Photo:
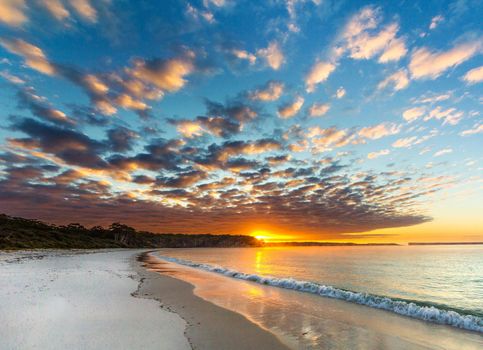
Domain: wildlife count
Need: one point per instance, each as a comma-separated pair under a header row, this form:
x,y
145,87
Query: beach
x,y
132,299
106,300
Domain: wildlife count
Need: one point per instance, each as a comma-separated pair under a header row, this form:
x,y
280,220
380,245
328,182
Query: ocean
x,y
305,293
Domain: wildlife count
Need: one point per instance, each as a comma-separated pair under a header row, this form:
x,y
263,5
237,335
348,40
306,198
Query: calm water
x,y
447,277
431,296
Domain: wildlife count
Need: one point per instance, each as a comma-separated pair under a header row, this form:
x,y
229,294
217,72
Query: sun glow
x,y
263,235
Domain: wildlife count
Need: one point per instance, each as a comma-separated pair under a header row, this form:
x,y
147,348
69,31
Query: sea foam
x,y
406,308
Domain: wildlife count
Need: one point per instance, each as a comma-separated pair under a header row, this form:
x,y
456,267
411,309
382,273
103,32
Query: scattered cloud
x,y
84,9
34,57
318,109
12,78
12,12
412,114
405,142
244,55
449,116
443,152
340,92
435,21
271,91
56,8
318,74
289,110
273,55
474,75
477,129
397,81
378,154
426,64
362,42
380,130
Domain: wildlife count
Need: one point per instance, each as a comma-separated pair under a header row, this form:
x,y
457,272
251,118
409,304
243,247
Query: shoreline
x,y
208,326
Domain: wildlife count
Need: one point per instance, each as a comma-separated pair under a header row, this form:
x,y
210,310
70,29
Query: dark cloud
x,y
182,179
162,154
39,107
121,139
222,120
69,145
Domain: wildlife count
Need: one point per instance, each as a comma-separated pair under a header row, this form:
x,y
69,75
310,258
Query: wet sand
x,y
208,326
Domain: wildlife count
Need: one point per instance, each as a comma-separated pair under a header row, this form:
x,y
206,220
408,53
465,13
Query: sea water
x,y
439,285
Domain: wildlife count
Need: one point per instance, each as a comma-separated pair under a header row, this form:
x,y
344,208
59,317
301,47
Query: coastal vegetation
x,y
20,233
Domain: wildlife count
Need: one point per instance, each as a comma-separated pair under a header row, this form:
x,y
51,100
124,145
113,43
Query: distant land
x,y
324,244
443,243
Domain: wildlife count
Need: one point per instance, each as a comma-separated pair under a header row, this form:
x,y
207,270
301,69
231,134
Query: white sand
x,y
81,301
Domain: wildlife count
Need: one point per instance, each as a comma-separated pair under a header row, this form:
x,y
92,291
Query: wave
x,y
406,308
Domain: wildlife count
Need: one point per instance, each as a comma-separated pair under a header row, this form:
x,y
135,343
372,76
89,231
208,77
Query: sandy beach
x,y
94,300
130,299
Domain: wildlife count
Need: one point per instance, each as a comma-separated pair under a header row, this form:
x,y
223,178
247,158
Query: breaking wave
x,y
412,309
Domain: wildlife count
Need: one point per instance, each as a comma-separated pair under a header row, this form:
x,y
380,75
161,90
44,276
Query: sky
x,y
285,119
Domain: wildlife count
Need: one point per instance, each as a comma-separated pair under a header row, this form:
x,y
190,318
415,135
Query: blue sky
x,y
307,119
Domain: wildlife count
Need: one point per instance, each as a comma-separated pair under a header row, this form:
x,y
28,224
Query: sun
x,y
262,235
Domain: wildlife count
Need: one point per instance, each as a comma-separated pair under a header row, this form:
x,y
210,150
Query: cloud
x,y
318,74
221,156
84,9
222,120
435,21
394,51
380,130
397,81
69,145
433,98
450,116
244,55
272,55
34,57
477,129
182,180
131,87
168,75
39,107
324,139
318,109
271,91
443,151
197,14
56,8
121,139
412,114
426,64
12,12
378,154
159,154
360,40
405,142
189,128
340,92
474,76
289,110
12,78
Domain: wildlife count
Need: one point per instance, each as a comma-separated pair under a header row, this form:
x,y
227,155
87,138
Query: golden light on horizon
x,y
262,235
269,236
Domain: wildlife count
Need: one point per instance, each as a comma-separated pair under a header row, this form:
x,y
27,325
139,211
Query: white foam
x,y
411,309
